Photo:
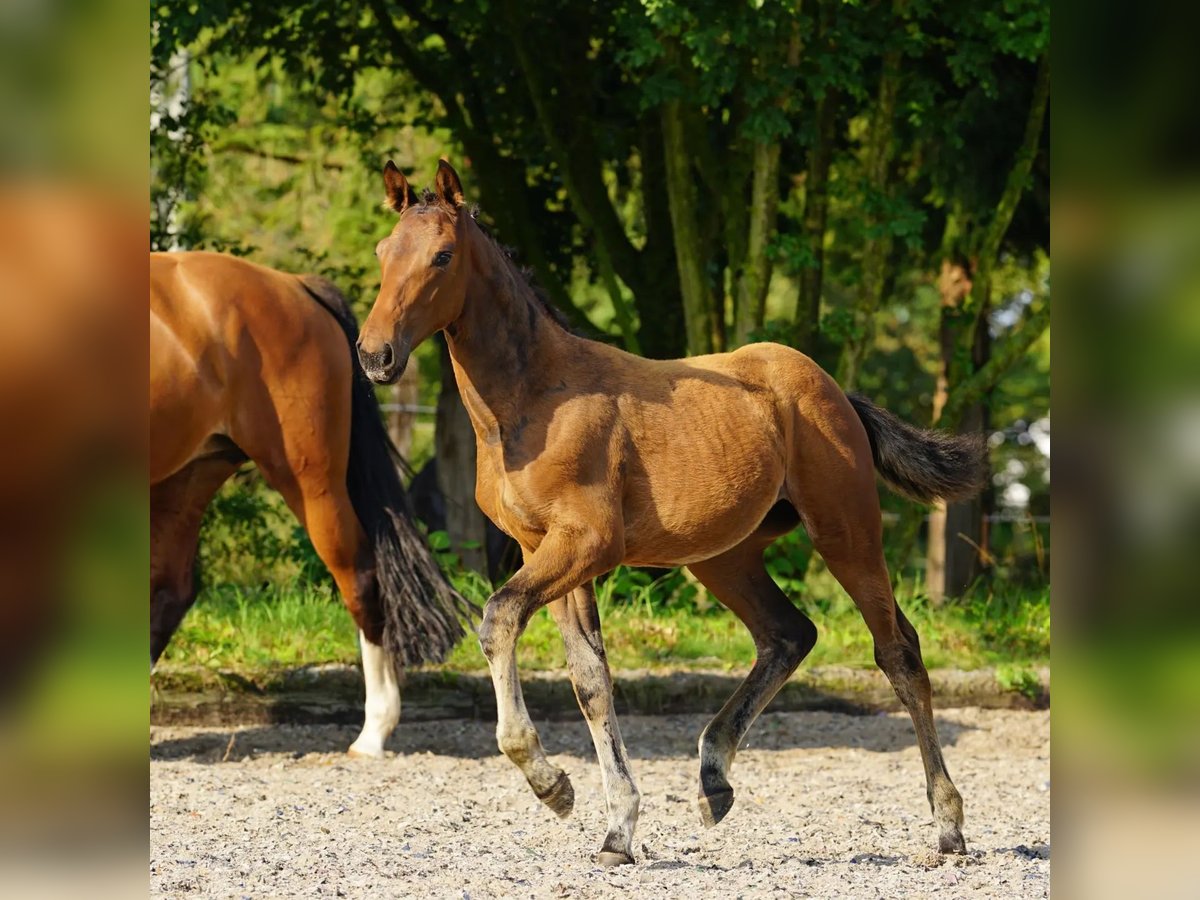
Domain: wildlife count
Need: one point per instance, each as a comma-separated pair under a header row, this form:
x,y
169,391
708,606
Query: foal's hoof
x,y
614,858
358,752
715,806
951,841
560,797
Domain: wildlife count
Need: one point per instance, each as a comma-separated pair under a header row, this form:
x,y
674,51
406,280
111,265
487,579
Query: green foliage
x,y
248,537
247,629
787,562
271,121
638,589
1020,680
648,623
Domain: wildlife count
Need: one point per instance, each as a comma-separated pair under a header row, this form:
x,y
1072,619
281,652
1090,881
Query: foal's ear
x,y
449,188
400,196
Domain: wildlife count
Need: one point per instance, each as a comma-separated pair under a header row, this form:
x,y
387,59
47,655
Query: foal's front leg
x,y
564,560
579,622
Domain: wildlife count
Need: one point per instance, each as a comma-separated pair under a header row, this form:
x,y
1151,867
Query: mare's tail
x,y
420,610
921,464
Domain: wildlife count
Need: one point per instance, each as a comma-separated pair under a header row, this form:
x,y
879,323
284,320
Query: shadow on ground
x,y
332,695
647,737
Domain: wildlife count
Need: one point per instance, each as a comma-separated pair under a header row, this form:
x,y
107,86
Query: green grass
x,y
255,629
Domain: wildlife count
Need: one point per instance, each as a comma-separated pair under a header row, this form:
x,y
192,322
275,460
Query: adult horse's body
x,y
250,363
590,457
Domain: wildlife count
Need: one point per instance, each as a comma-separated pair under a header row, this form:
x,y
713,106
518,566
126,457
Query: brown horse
x,y
590,457
247,363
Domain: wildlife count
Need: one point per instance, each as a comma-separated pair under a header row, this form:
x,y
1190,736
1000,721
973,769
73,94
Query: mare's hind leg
x,y
319,499
176,509
844,522
783,636
579,622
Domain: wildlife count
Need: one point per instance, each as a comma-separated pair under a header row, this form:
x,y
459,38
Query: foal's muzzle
x,y
383,366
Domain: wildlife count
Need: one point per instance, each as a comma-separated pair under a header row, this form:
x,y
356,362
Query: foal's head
x,y
424,264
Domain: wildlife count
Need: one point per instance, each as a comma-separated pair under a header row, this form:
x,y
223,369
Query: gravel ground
x,y
828,805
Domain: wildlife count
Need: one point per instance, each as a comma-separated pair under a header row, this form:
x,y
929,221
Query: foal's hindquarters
x,y
824,479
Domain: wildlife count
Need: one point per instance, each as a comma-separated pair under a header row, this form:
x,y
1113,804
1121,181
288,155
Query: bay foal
x,y
591,457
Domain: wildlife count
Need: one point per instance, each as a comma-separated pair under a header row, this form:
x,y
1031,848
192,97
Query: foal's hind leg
x,y
898,654
846,529
579,622
783,636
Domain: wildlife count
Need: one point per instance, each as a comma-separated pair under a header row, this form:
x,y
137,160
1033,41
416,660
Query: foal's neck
x,y
505,347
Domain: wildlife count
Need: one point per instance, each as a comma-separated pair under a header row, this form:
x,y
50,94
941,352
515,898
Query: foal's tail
x,y
921,464
420,610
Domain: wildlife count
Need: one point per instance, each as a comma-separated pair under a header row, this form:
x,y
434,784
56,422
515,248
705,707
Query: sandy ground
x,y
828,805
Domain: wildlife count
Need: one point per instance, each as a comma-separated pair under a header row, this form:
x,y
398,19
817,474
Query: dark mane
x,y
429,200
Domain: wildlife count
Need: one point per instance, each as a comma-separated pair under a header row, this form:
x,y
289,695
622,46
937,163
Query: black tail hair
x,y
922,464
421,612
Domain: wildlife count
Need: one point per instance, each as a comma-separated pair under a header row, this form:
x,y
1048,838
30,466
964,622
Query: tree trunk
x,y
965,537
756,268
750,301
958,535
877,248
694,283
816,214
568,132
660,310
954,284
454,442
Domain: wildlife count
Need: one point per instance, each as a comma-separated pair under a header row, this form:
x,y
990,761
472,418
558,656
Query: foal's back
x,y
704,447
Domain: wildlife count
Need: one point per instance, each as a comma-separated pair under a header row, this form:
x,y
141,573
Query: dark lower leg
x,y
900,660
579,623
783,636
176,510
167,609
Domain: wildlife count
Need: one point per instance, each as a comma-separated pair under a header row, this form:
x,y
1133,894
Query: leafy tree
x,y
866,180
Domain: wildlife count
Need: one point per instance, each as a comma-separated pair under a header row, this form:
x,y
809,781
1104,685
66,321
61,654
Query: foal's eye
x,y
442,259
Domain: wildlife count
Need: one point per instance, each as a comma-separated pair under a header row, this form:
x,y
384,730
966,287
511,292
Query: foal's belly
x,y
705,533
698,501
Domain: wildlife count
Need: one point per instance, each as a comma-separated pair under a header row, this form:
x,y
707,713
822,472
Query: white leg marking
x,y
383,700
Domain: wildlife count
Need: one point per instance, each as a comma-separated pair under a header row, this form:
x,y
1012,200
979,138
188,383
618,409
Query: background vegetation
x,y
866,181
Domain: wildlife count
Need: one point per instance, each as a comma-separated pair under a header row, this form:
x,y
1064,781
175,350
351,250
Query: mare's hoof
x,y
560,797
365,753
951,842
614,858
715,806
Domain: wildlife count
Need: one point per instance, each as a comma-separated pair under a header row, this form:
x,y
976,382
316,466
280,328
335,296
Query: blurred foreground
x,y
1127,472
73,510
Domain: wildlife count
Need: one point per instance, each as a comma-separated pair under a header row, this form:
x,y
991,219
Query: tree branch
x,y
572,144
1018,176
290,158
969,391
